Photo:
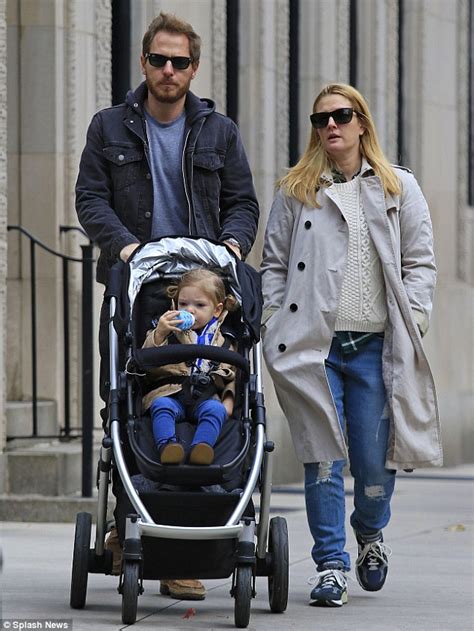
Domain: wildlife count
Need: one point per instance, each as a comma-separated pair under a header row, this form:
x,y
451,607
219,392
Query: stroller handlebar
x,y
147,358
115,280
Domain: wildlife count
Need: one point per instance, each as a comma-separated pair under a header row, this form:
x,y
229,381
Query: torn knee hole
x,y
375,492
324,472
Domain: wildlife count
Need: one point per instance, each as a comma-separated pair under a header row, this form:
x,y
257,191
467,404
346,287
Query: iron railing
x,y
67,432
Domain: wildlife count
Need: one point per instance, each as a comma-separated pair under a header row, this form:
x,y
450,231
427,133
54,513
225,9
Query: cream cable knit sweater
x,y
362,306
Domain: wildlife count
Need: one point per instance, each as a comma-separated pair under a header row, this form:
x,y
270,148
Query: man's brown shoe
x,y
183,589
112,543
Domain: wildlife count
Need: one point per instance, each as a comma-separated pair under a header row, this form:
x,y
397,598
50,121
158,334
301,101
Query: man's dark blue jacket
x,y
114,190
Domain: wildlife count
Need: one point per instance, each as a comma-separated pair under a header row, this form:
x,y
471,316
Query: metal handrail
x,y
86,261
36,241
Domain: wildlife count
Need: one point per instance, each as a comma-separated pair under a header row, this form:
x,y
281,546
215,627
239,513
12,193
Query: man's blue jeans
x,y
358,391
167,411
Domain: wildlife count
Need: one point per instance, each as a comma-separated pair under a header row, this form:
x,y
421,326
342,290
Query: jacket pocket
x,y
207,185
208,160
269,317
124,164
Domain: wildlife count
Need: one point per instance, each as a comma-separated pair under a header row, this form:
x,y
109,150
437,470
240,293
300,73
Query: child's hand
x,y
166,324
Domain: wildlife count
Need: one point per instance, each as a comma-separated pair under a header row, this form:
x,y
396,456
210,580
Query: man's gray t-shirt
x,y
170,206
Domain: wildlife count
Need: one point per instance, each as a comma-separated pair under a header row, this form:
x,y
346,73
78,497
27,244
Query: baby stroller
x,y
184,521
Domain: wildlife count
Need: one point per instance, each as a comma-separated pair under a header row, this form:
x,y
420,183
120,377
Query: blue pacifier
x,y
187,320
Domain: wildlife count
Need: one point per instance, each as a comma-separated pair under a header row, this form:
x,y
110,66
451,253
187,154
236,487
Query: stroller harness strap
x,y
195,367
199,385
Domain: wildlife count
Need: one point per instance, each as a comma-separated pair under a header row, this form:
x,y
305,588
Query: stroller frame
x,y
234,527
251,559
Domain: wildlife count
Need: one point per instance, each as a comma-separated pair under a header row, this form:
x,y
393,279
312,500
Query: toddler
x,y
203,392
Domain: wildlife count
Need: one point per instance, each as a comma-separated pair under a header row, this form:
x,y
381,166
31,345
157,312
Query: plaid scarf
x,y
353,341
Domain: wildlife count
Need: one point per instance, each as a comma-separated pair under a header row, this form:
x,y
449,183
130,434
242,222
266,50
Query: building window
x,y
401,153
471,106
120,50
353,43
232,60
294,83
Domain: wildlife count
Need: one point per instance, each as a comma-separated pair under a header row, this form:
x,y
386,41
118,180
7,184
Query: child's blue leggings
x,y
166,411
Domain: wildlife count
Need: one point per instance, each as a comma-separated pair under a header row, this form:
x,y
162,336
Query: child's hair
x,y
209,282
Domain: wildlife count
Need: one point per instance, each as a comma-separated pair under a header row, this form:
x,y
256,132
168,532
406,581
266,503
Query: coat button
x,y
121,157
148,214
301,265
307,224
148,176
281,348
293,307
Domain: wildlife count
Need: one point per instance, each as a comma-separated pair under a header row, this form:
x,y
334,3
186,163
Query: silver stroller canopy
x,y
175,256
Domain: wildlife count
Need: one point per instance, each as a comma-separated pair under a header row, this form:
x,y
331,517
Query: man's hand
x,y
127,251
235,248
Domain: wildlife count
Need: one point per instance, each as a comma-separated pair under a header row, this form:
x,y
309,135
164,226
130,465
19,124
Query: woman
x,y
348,279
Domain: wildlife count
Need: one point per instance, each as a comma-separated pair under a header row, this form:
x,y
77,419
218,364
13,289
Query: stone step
x,y
36,508
20,418
50,469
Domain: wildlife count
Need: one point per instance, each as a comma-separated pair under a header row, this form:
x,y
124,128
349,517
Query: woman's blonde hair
x,y
209,282
304,179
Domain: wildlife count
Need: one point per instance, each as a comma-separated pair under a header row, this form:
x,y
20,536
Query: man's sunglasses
x,y
158,61
342,116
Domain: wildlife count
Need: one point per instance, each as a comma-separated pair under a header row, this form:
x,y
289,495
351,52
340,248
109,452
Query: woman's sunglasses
x,y
342,116
159,61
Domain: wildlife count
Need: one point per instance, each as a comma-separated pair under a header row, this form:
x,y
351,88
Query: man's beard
x,y
163,94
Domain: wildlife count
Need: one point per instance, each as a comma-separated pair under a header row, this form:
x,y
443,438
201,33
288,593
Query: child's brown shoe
x,y
172,453
202,453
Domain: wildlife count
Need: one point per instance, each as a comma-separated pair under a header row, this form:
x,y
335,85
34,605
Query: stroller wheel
x,y
80,560
243,596
278,576
130,591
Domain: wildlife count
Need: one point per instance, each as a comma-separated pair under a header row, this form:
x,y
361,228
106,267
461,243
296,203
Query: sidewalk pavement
x,y
429,586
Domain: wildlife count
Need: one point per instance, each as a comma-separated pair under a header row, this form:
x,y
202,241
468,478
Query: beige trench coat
x,y
304,259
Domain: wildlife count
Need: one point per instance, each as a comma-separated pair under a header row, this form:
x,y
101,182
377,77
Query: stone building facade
x,y
412,59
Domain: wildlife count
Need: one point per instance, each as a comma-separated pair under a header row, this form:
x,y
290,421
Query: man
x,y
163,163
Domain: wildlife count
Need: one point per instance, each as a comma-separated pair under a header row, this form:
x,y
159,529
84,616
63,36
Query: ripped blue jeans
x,y
358,391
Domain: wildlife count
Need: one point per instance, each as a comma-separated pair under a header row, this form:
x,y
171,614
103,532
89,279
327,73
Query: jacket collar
x,y
365,171
196,108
